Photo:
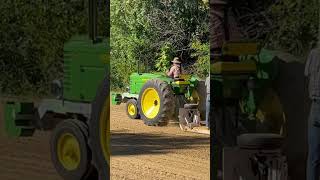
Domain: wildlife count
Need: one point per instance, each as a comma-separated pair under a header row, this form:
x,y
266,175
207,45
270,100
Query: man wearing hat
x,y
175,69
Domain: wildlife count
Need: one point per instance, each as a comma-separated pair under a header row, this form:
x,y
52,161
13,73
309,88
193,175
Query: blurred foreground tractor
x,y
247,119
79,113
157,99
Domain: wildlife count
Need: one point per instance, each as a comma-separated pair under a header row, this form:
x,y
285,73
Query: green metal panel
x,y
11,109
91,78
116,98
138,80
84,68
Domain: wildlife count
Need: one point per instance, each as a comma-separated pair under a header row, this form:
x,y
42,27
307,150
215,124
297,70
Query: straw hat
x,y
176,60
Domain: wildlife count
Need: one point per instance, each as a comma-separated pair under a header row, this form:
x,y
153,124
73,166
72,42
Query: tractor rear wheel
x,y
132,109
99,130
156,103
70,153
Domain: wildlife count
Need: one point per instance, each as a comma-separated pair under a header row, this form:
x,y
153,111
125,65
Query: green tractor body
x,y
84,68
137,80
181,86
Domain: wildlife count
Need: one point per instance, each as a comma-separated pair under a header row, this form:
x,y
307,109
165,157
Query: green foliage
x,y
296,25
31,42
165,57
152,32
202,53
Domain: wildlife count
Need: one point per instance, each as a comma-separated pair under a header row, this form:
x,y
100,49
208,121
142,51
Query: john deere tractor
x,y
79,113
157,98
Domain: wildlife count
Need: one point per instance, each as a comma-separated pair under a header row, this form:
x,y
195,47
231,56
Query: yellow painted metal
x,y
240,48
195,98
181,82
185,76
233,67
105,130
68,150
131,109
270,111
150,103
183,79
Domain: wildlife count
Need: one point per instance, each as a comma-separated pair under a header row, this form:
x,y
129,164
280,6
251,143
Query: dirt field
x,y
142,152
138,152
25,158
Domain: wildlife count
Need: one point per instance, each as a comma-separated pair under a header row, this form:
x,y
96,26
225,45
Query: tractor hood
x,y
137,80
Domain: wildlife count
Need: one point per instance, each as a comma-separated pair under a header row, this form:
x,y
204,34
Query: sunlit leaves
x,y
152,32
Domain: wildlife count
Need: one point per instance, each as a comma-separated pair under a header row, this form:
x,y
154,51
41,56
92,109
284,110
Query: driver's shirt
x,y
174,71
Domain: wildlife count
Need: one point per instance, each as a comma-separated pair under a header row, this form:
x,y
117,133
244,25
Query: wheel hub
x,y
69,151
131,109
150,103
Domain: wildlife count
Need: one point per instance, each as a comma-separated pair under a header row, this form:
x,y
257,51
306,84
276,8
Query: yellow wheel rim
x,y
131,109
150,103
105,130
69,153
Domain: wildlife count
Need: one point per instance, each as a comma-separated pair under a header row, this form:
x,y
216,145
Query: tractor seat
x,y
190,106
260,141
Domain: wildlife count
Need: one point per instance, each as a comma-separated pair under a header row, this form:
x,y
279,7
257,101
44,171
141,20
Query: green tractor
x,y
79,113
247,118
157,99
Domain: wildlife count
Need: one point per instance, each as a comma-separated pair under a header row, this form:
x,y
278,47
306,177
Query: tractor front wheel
x,y
156,103
132,109
70,153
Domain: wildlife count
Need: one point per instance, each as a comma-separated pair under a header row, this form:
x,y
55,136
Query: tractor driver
x,y
175,69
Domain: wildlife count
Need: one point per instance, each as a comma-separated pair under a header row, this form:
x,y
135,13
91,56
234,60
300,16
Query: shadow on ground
x,y
124,143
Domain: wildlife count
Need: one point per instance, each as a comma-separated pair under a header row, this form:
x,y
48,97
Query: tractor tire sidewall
x,y
97,106
167,104
91,173
135,103
67,126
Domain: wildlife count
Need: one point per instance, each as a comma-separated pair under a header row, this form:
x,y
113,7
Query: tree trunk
x,y
318,44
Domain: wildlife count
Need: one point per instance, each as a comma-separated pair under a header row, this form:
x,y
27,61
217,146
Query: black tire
x,y
136,114
167,103
99,159
76,128
260,141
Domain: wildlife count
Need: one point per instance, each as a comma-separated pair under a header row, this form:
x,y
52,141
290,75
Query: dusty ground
x,y
25,158
142,152
139,152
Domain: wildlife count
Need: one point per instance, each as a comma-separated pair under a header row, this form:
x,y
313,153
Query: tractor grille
x,y
67,74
